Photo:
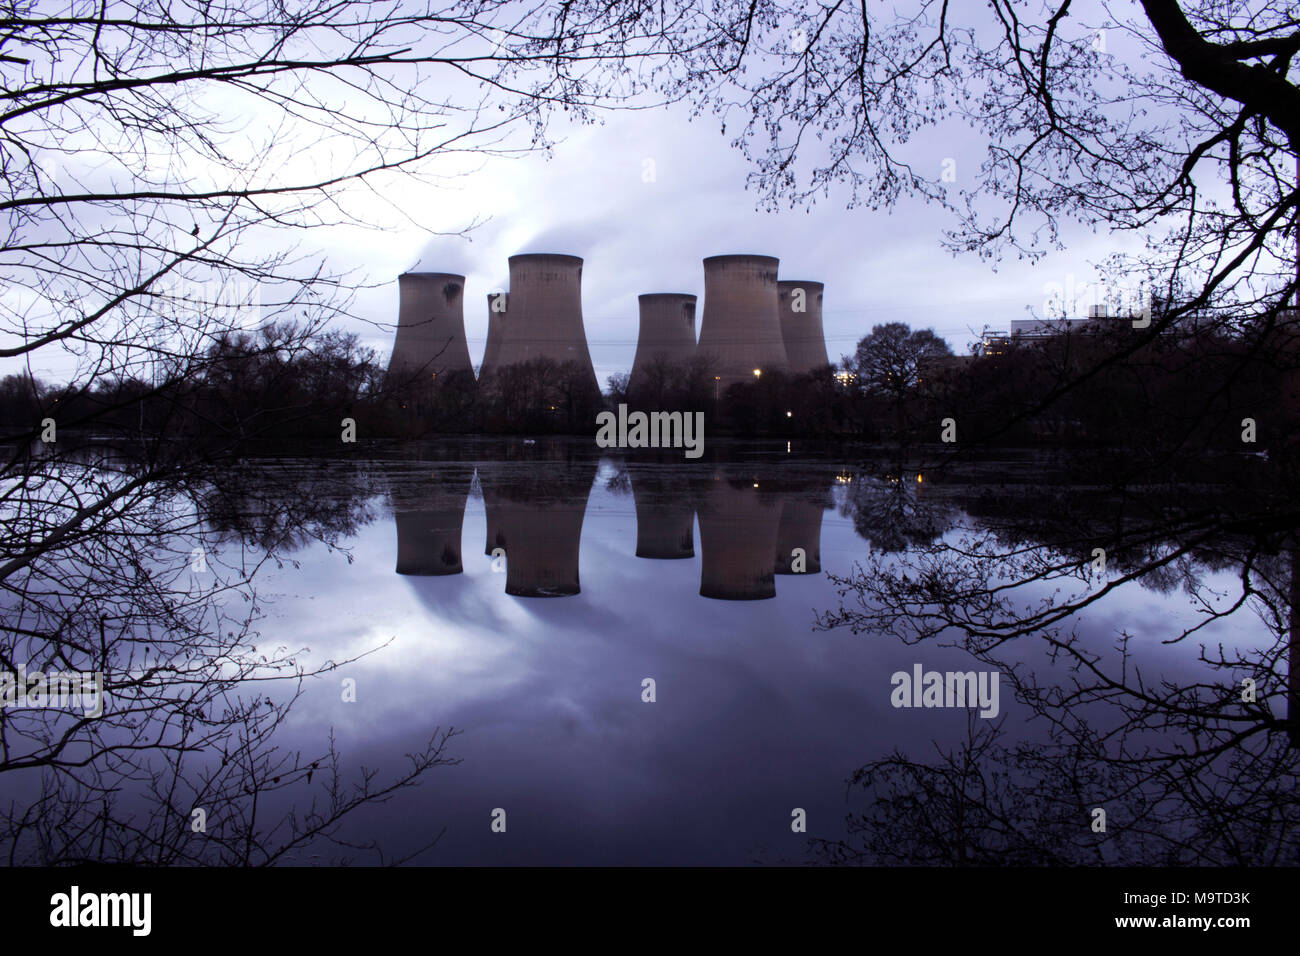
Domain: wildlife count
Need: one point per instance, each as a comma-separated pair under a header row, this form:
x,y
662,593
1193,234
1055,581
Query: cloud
x,y
644,197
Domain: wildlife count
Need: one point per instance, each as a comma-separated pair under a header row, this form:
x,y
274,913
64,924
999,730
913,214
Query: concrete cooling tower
x,y
665,514
430,342
738,532
805,342
429,510
741,328
544,317
667,335
534,512
498,303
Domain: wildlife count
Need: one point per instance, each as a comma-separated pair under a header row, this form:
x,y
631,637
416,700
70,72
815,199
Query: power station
x,y
801,324
430,348
543,318
665,340
498,303
741,329
751,324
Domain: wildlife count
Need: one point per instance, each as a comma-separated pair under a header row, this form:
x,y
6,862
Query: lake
x,y
528,593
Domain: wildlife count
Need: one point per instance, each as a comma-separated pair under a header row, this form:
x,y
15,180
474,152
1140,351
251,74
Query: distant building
x,y
740,332
1028,329
541,317
429,348
995,343
665,342
801,324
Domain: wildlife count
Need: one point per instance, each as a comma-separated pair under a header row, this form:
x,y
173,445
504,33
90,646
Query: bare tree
x,y
161,168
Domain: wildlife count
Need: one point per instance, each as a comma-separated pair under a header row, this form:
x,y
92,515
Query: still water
x,y
527,594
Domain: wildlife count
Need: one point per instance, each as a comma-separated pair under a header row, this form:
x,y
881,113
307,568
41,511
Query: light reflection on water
x,y
614,573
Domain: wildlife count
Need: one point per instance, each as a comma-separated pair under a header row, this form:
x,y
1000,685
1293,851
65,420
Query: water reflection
x,y
957,533
665,512
429,511
535,505
1177,724
755,522
550,691
739,519
799,536
893,513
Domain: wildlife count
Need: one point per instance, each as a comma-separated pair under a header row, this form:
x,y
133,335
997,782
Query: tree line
x,y
1203,386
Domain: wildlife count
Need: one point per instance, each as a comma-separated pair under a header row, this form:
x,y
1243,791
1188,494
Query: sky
x,y
646,196
643,196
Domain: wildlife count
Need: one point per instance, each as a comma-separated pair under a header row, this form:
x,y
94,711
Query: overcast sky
x,y
591,200
643,198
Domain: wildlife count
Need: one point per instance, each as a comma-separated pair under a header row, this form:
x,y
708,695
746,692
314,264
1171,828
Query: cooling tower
x,y
665,514
498,303
430,342
535,513
544,319
666,336
429,512
801,527
738,529
805,342
741,328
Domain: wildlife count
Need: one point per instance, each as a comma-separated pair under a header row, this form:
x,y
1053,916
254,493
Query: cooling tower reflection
x,y
665,514
798,540
738,529
757,519
535,506
429,510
